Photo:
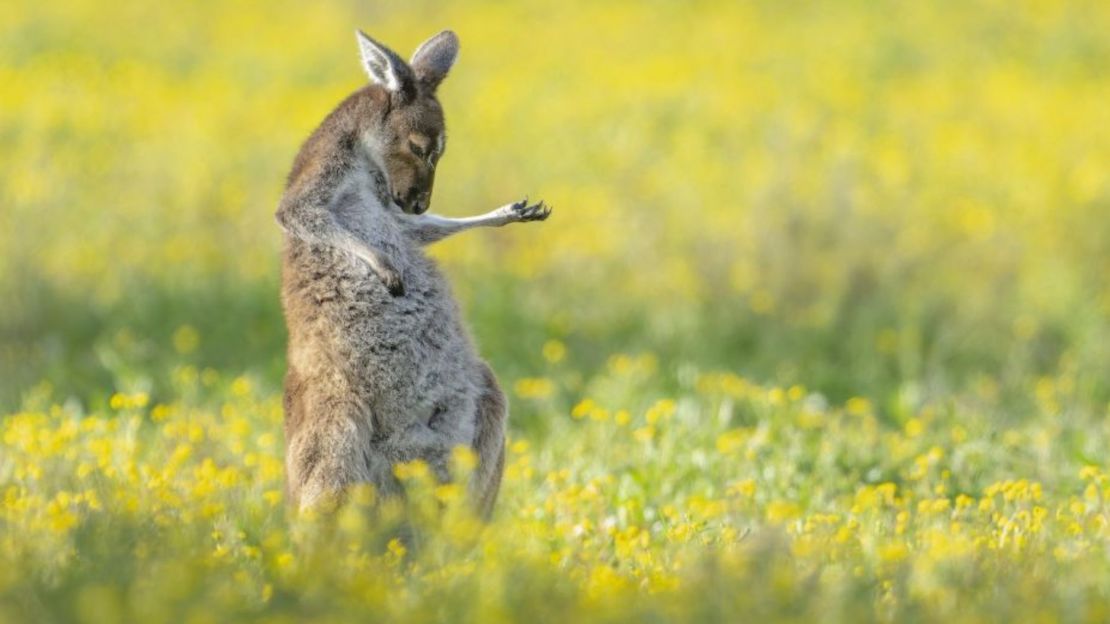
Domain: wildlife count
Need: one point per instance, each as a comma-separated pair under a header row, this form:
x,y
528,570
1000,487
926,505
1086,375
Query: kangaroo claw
x,y
535,212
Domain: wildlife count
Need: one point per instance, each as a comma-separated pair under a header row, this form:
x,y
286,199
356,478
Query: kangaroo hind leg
x,y
326,452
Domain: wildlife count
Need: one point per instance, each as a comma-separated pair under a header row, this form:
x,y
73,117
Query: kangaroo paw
x,y
522,211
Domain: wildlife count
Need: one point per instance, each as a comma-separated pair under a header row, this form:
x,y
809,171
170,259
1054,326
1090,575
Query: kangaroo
x,y
380,367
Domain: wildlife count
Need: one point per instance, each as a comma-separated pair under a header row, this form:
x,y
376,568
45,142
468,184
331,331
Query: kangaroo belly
x,y
407,358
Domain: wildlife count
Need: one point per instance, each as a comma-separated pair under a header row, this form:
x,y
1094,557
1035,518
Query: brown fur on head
x,y
411,137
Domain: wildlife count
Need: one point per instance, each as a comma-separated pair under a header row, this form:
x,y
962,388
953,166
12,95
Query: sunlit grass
x,y
727,500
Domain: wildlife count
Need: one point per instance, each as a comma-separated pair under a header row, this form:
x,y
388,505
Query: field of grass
x,y
819,330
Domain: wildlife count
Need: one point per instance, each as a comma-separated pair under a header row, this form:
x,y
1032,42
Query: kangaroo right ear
x,y
383,65
434,58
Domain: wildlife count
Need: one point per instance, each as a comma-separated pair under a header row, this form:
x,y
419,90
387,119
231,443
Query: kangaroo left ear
x,y
434,58
383,65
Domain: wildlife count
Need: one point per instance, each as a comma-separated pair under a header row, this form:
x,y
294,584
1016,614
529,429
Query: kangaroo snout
x,y
414,201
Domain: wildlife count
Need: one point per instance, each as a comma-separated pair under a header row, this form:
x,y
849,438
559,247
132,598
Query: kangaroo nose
x,y
422,201
405,200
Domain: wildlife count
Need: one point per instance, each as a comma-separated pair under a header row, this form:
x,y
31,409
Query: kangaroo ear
x,y
434,58
383,65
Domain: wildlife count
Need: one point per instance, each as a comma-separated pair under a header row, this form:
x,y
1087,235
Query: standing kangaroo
x,y
380,367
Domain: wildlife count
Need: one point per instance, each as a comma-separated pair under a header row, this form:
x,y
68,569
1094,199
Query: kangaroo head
x,y
411,136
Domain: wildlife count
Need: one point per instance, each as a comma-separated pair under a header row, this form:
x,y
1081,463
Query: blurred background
x,y
893,200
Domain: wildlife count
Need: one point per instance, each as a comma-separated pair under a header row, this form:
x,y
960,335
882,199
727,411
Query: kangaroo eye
x,y
416,149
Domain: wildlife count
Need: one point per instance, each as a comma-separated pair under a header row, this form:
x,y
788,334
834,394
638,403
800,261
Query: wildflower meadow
x,y
818,331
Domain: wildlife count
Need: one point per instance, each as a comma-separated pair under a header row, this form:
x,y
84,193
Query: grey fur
x,y
380,366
